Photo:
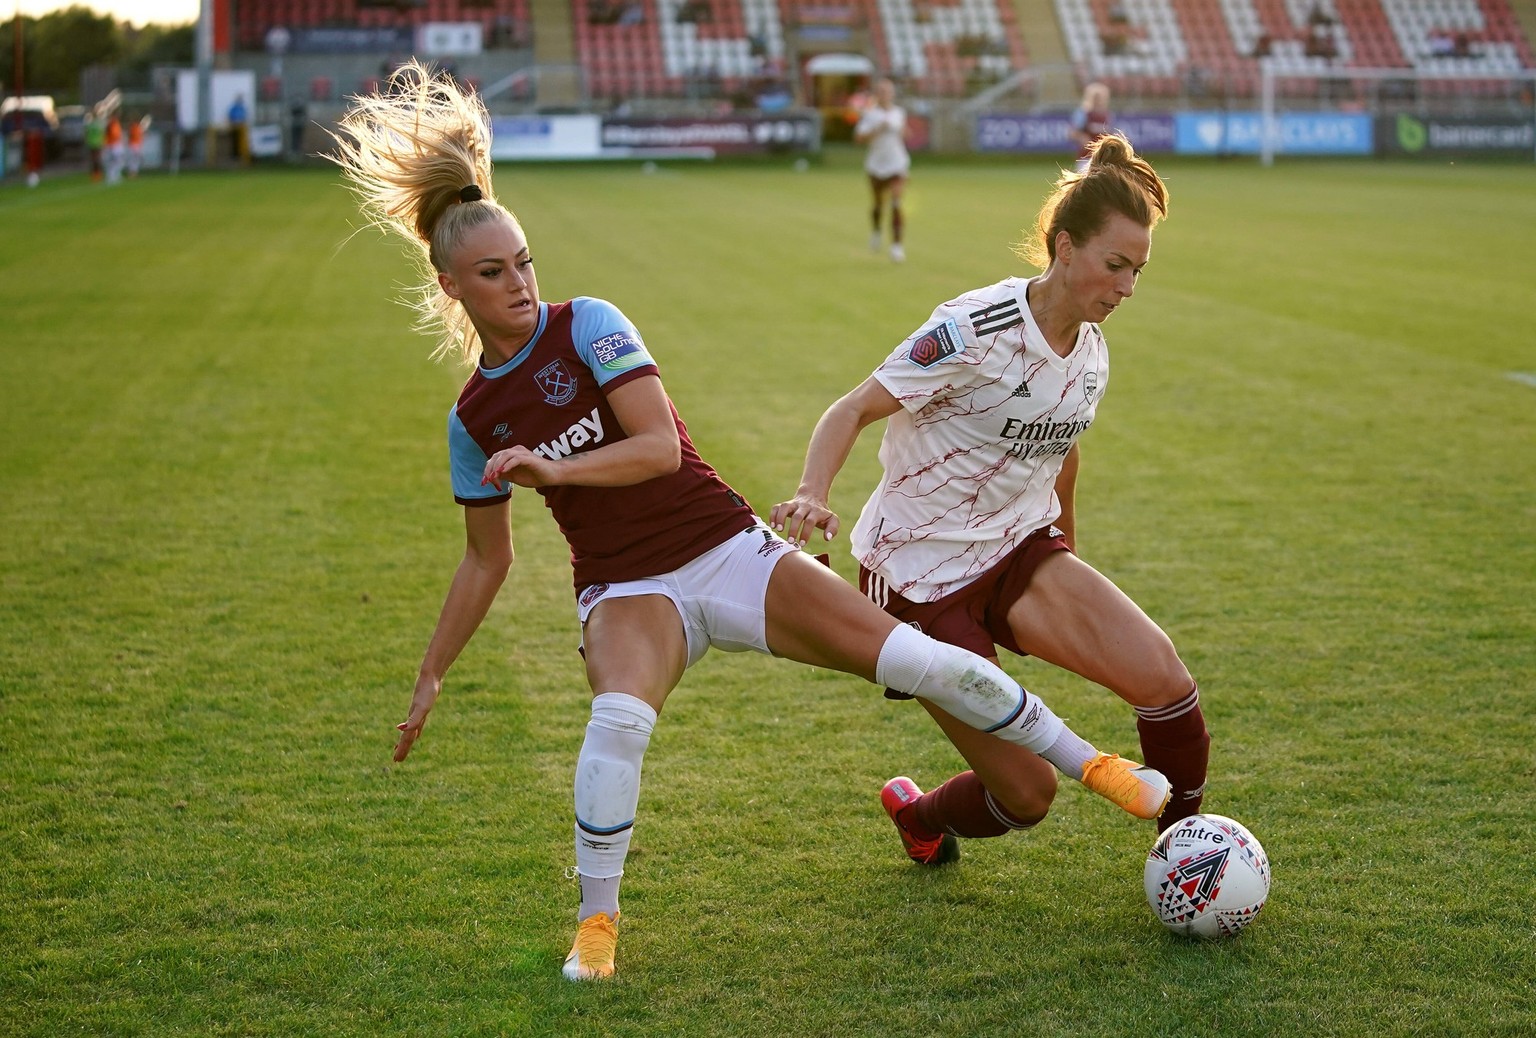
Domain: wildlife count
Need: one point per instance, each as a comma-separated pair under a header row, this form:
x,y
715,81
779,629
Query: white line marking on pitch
x,y
1521,376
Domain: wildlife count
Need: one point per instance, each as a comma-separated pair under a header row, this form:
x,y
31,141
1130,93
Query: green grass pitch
x,y
227,530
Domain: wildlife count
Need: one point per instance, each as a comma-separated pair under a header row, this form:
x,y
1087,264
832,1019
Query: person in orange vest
x,y
113,141
136,144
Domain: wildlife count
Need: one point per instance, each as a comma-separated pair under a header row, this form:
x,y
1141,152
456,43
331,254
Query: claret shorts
x,y
976,616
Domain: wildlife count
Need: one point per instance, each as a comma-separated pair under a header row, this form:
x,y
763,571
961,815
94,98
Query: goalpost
x,y
1270,73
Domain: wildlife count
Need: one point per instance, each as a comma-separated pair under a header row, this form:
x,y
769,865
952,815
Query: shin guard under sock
x,y
972,689
607,793
1174,740
963,807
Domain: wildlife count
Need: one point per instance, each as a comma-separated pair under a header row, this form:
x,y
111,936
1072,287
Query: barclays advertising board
x,y
1009,132
1294,133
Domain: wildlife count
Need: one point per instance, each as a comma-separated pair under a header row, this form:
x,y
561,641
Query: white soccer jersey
x,y
887,155
989,412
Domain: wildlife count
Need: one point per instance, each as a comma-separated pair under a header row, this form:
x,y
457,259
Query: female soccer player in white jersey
x,y
565,399
970,531
882,126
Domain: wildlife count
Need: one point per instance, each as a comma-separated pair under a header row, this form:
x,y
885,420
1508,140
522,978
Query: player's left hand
x,y
521,466
796,518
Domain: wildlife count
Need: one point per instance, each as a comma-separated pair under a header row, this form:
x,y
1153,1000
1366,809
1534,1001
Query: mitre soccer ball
x,y
1206,876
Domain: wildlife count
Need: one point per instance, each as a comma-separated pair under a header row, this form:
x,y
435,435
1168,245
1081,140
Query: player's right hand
x,y
796,518
427,689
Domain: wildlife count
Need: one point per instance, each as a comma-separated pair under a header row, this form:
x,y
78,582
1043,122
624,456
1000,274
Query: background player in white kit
x,y
882,126
970,531
668,560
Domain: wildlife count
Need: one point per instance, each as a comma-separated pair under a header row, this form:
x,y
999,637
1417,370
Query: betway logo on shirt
x,y
587,430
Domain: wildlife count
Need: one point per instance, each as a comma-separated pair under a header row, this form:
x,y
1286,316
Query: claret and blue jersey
x,y
552,399
610,353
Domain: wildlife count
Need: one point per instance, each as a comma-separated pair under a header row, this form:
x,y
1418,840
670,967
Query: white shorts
x,y
720,595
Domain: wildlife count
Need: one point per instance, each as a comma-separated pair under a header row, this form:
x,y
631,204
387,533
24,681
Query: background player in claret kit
x,y
882,127
668,560
970,532
1091,121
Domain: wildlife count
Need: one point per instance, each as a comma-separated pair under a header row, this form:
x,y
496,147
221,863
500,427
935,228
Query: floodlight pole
x,y
205,77
20,52
1267,122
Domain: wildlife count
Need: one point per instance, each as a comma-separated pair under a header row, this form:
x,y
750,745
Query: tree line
x,y
58,46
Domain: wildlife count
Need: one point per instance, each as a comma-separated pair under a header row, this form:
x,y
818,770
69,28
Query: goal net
x,y
1417,111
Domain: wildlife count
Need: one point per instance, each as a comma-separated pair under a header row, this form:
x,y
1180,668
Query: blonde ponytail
x,y
418,159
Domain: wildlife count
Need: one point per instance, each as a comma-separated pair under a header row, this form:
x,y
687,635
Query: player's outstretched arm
x,y
487,558
833,438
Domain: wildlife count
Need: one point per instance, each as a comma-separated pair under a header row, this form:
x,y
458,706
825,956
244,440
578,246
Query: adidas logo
x,y
1023,389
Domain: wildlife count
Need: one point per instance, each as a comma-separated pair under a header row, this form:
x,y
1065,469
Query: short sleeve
x,y
933,361
608,342
870,120
466,463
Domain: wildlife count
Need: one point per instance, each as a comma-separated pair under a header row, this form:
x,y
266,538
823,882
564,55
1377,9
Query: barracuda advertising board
x,y
1432,137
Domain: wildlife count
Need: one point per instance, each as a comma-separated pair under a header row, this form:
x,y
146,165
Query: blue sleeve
x,y
606,340
466,465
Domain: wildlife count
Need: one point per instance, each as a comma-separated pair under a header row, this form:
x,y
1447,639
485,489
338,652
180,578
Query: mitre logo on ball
x,y
1206,876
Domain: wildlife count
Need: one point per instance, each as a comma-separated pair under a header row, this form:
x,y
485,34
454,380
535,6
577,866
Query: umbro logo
x,y
1030,717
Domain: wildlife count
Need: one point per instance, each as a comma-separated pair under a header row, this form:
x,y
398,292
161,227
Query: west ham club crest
x,y
556,382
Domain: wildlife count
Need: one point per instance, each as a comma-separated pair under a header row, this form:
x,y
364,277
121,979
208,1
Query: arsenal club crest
x,y
556,382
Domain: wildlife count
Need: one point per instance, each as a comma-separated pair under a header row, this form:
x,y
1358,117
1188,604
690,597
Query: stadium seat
x,y
947,46
952,47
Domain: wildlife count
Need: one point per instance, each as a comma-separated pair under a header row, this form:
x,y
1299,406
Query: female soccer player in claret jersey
x,y
970,533
566,399
1090,122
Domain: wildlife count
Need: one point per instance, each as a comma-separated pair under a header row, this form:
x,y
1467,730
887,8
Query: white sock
x,y
1070,752
607,792
599,895
978,692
